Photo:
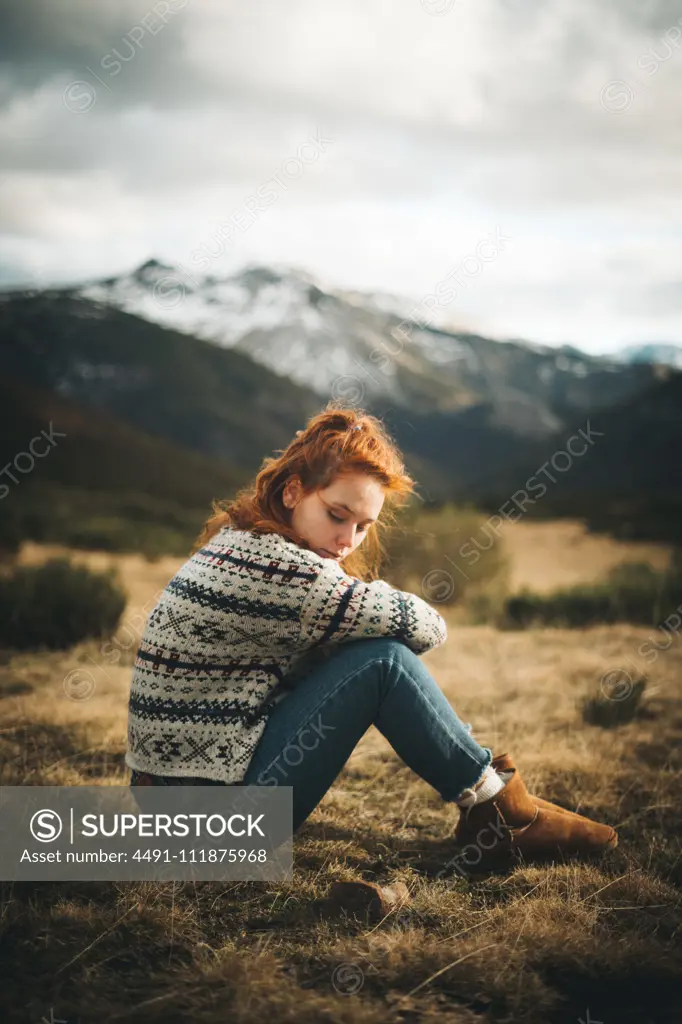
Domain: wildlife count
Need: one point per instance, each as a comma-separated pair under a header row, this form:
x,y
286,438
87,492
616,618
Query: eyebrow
x,y
341,505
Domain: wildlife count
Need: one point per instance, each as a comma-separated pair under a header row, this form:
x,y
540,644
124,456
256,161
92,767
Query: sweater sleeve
x,y
339,608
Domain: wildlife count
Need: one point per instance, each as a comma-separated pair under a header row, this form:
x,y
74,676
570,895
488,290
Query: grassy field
x,y
560,943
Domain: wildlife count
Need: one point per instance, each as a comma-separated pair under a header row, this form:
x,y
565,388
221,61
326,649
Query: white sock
x,y
488,786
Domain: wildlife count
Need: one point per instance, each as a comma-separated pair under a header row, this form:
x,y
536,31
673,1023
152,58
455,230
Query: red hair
x,y
334,441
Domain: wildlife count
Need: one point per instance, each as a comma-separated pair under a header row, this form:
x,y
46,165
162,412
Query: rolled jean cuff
x,y
481,772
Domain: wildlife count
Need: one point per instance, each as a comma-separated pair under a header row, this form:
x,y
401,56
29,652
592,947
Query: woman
x,y
275,647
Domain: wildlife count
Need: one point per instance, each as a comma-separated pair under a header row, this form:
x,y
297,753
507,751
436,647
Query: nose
x,y
345,537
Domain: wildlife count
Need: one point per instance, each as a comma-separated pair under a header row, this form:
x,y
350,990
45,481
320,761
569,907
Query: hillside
x,y
455,416
630,477
102,453
382,350
207,399
97,474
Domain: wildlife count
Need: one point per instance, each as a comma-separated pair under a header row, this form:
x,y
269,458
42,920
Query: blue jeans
x,y
311,733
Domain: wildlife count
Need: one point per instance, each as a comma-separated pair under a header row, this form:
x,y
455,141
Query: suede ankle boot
x,y
513,826
505,763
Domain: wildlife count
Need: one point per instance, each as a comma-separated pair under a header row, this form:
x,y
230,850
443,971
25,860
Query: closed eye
x,y
338,519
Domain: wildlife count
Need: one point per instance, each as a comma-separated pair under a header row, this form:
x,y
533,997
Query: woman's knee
x,y
388,648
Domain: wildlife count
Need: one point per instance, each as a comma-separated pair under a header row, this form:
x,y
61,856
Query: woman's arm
x,y
340,607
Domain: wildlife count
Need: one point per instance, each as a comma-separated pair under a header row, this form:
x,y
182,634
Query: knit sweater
x,y
231,635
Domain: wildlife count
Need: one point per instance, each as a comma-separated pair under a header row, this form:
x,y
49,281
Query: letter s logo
x,y
45,826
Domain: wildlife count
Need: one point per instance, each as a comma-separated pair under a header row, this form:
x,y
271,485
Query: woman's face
x,y
335,520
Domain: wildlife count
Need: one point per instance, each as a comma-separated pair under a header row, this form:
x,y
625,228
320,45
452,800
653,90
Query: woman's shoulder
x,y
267,543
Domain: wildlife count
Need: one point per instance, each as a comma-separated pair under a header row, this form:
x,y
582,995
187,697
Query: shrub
x,y
10,534
57,604
575,606
425,553
109,533
91,520
632,592
610,709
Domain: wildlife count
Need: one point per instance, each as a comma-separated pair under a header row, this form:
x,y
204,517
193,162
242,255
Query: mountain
x,y
213,401
463,408
654,352
629,479
93,449
76,475
210,400
348,344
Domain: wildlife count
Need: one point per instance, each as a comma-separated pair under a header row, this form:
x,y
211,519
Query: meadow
x,y
565,942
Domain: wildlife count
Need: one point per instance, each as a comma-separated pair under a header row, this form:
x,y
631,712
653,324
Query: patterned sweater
x,y
228,638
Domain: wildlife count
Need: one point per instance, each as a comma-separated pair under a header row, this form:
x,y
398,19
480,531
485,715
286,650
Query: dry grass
x,y
542,556
549,555
534,945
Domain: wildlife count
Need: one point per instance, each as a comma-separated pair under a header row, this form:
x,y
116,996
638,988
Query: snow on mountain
x,y
353,346
219,310
653,352
334,341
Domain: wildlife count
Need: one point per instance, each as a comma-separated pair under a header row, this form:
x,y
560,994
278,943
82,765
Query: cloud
x,y
42,41
133,128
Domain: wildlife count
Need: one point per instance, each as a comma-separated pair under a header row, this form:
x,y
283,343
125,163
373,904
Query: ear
x,y
290,492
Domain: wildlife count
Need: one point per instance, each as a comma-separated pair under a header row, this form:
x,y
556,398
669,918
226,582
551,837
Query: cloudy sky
x,y
528,151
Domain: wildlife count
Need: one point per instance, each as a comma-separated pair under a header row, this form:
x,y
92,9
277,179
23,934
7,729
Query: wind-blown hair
x,y
334,441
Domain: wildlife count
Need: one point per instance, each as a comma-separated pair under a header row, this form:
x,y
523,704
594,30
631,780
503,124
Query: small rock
x,y
368,898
